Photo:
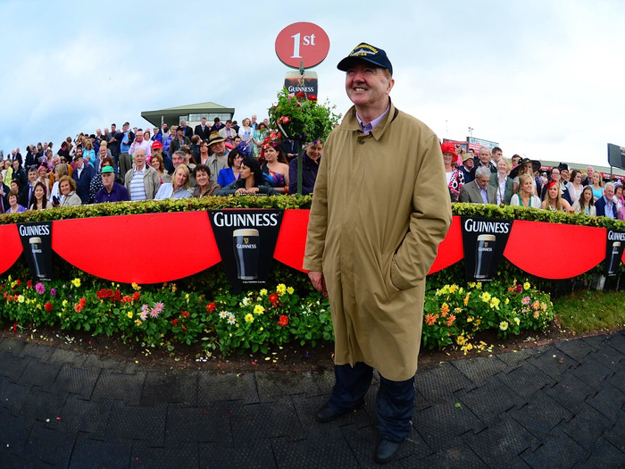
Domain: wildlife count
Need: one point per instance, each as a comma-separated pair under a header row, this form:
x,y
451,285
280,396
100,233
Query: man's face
x,y
469,163
608,191
266,122
497,155
78,151
113,128
16,165
515,161
253,118
98,132
180,132
203,121
177,160
79,161
165,128
590,170
367,85
484,157
125,128
108,179
564,175
217,148
482,181
139,136
139,158
32,176
103,151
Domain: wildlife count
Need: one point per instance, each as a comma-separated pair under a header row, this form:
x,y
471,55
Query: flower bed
x,y
169,314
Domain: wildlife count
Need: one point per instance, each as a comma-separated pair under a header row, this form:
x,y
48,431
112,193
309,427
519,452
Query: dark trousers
x,y
394,404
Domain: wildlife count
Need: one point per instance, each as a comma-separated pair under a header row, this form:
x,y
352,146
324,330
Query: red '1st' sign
x,y
302,42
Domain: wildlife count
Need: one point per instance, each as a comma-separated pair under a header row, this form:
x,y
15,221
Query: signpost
x,y
302,45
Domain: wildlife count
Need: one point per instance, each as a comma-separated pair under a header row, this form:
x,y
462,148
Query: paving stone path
x,y
552,406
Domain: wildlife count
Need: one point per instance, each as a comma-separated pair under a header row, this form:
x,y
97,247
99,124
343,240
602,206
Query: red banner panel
x,y
292,239
10,246
450,250
555,251
150,248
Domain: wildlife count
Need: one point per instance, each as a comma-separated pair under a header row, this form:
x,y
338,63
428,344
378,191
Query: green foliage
x,y
302,118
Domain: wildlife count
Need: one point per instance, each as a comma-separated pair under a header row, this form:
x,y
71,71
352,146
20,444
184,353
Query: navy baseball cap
x,y
367,53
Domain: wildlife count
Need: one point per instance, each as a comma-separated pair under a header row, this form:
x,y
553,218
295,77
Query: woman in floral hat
x,y
455,178
553,199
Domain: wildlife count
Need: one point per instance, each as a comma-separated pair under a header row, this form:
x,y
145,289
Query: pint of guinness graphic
x,y
484,255
36,252
614,258
246,251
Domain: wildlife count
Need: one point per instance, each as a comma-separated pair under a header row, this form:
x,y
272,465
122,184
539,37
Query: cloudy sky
x,y
542,78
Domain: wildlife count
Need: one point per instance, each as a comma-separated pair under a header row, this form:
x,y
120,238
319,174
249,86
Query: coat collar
x,y
350,122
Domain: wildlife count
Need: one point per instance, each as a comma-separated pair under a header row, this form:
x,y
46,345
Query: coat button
x,y
362,142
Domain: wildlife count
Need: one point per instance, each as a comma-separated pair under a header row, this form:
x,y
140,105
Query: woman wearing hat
x,y
524,196
619,200
526,166
455,178
553,199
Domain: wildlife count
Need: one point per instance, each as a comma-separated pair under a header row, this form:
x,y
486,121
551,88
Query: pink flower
x,y
159,307
40,288
52,291
154,312
526,300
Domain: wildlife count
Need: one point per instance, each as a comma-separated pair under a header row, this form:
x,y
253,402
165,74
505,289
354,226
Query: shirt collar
x,y
367,128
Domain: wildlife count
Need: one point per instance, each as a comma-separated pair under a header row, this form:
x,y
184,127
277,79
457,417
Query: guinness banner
x,y
246,240
614,252
37,243
484,242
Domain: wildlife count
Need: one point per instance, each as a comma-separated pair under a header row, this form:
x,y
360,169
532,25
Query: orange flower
x,y
444,310
78,307
284,320
451,319
430,319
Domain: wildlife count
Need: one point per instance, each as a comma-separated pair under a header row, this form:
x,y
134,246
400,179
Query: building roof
x,y
173,113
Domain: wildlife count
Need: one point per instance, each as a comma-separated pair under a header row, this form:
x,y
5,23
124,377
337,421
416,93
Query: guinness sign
x,y
484,243
246,240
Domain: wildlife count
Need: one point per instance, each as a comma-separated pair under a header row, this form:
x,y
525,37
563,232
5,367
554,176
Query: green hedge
x,y
288,202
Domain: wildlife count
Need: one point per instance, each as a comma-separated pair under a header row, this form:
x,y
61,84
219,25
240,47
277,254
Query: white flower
x,y
223,315
232,320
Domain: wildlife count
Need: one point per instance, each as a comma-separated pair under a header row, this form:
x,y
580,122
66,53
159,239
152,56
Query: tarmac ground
x,y
560,405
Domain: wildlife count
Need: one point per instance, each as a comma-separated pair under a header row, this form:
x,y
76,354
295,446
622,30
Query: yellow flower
x,y
517,321
290,290
479,285
261,329
263,292
471,284
543,306
64,303
173,287
466,299
186,296
20,298
526,286
461,291
536,314
460,340
507,301
485,297
138,322
503,325
76,282
281,289
453,288
135,286
470,319
258,309
130,314
249,318
494,303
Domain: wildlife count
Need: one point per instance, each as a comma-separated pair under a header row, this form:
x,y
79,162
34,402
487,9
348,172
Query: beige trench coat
x,y
380,208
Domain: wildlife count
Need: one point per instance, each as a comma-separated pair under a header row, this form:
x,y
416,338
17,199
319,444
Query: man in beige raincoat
x,y
380,208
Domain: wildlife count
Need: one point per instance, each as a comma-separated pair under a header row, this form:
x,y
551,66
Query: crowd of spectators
x,y
490,178
131,164
227,159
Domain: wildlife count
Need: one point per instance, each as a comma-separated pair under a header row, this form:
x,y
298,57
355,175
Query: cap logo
x,y
363,49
